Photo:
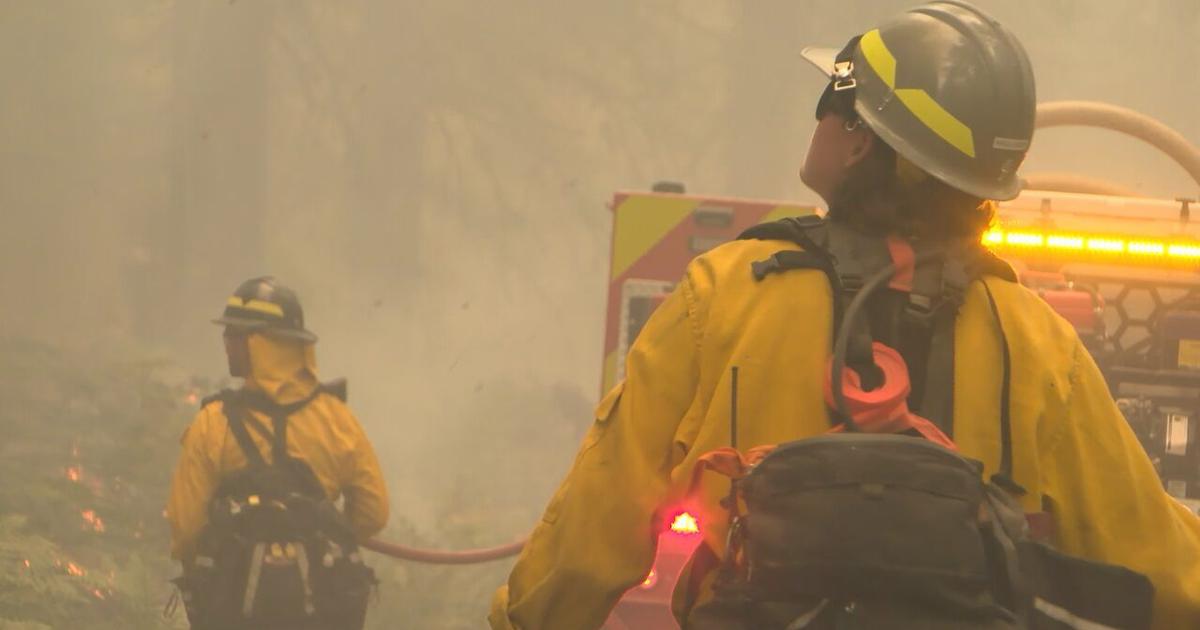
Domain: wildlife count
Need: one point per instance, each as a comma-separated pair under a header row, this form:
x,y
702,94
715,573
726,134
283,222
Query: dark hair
x,y
876,199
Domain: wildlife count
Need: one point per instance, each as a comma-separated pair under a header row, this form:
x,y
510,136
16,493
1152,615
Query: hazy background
x,y
432,176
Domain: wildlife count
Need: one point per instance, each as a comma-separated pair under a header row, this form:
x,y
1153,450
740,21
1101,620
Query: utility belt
x,y
861,530
311,583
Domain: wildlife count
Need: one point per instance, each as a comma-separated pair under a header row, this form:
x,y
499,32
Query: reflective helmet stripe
x,y
918,101
880,58
260,306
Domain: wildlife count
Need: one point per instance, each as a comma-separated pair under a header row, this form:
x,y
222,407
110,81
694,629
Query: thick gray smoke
x,y
432,178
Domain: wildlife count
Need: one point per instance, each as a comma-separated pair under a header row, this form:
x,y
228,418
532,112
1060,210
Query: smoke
x,y
432,178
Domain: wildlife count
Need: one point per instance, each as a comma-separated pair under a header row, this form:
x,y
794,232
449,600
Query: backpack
x,y
862,529
276,552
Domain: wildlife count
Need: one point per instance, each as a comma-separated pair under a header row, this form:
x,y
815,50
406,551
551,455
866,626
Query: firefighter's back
x,y
1072,452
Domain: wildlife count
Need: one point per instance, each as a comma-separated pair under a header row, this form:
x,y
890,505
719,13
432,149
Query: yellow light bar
x,y
1144,248
1025,239
1183,251
1064,242
1105,247
1112,245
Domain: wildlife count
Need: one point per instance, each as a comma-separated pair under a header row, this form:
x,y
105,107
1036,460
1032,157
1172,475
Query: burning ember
x,y
98,594
26,563
75,570
96,523
192,398
74,473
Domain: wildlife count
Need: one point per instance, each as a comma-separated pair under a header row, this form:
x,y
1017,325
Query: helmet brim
x,y
822,59
259,326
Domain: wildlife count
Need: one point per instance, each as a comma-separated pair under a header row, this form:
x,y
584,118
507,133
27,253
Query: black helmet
x,y
947,87
264,305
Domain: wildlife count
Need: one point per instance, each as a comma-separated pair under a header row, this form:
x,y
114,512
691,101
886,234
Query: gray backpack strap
x,y
944,300
937,394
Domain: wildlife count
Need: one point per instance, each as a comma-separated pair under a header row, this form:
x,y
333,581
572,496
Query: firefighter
x,y
924,120
268,347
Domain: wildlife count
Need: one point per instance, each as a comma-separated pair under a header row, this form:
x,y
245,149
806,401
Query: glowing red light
x,y
685,524
651,579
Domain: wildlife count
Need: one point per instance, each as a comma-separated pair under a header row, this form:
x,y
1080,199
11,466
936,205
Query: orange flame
x,y
74,569
192,398
97,523
685,523
98,594
74,473
26,562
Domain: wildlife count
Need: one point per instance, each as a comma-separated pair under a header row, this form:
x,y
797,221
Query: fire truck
x,y
1123,269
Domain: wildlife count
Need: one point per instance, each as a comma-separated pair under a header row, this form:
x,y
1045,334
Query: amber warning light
x,y
1095,247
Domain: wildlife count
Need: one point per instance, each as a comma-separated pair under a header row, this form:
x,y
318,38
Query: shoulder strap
x,y
788,229
279,443
804,231
937,395
221,395
279,415
957,274
235,414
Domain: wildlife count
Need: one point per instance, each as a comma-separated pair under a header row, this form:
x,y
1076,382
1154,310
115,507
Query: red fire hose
x,y
432,556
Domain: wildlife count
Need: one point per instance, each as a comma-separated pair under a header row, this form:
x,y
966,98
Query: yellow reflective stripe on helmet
x,y
942,122
880,58
257,305
918,101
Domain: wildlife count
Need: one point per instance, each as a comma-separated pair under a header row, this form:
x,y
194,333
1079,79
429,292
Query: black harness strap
x,y
236,408
958,272
279,444
937,394
235,414
814,255
937,397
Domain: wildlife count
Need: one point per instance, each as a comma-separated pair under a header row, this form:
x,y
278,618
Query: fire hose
x,y
1114,118
434,556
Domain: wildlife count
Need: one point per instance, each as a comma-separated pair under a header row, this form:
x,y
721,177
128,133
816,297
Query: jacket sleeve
x,y
597,537
192,487
363,486
1110,505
